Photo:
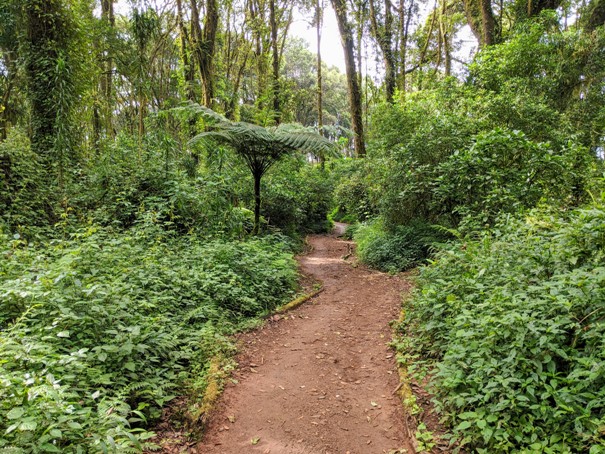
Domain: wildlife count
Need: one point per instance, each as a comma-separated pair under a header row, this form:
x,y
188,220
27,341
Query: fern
x,y
259,147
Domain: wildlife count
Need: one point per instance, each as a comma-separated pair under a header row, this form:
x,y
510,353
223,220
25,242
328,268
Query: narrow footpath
x,y
320,379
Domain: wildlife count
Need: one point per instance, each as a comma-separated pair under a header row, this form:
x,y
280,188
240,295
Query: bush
x,y
513,322
99,330
395,250
461,150
120,190
353,201
296,197
25,197
350,231
505,172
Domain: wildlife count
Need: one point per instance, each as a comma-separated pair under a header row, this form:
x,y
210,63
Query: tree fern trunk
x,y
257,177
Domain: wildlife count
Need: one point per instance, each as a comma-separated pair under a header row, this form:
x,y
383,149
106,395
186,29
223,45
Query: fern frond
x,y
307,141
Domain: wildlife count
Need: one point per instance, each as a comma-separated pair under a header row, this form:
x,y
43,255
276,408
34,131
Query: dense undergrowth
x,y
127,254
511,323
399,249
100,330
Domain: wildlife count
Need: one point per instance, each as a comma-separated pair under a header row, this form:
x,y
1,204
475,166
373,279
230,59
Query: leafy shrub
x,y
99,330
353,200
395,250
121,190
513,322
505,172
464,150
350,231
25,199
352,193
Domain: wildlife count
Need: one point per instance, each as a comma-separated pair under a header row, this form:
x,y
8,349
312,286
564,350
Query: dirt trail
x,y
322,378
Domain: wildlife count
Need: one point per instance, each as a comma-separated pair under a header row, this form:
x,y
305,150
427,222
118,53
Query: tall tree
x,y
185,52
346,35
275,62
108,20
383,33
9,47
50,33
445,39
204,45
480,18
405,13
319,6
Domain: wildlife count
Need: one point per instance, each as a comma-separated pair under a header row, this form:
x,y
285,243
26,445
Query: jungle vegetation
x,y
161,162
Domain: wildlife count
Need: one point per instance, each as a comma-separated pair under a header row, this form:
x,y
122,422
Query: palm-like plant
x,y
259,147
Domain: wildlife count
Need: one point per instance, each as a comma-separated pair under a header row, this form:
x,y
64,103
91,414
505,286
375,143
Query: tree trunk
x,y
257,18
320,113
233,100
480,18
257,174
275,62
596,16
346,36
204,44
4,106
489,23
44,41
318,24
383,34
209,42
109,21
446,39
187,69
404,28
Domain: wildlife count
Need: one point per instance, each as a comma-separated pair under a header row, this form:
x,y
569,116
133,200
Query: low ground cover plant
x,y
512,322
99,330
397,249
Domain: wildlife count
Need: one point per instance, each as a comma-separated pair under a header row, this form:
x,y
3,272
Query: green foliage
x,y
299,88
395,250
297,197
513,322
48,46
259,147
99,330
452,153
408,142
121,190
350,231
23,192
504,172
562,71
352,192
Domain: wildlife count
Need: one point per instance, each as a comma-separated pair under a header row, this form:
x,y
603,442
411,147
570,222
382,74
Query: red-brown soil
x,y
322,378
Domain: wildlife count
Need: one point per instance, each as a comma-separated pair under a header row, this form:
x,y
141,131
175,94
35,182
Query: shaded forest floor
x,y
321,378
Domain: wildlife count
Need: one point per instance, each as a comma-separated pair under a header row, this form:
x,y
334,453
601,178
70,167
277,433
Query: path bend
x,y
321,379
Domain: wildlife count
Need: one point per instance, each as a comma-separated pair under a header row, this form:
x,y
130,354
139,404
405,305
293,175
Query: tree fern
x,y
259,147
